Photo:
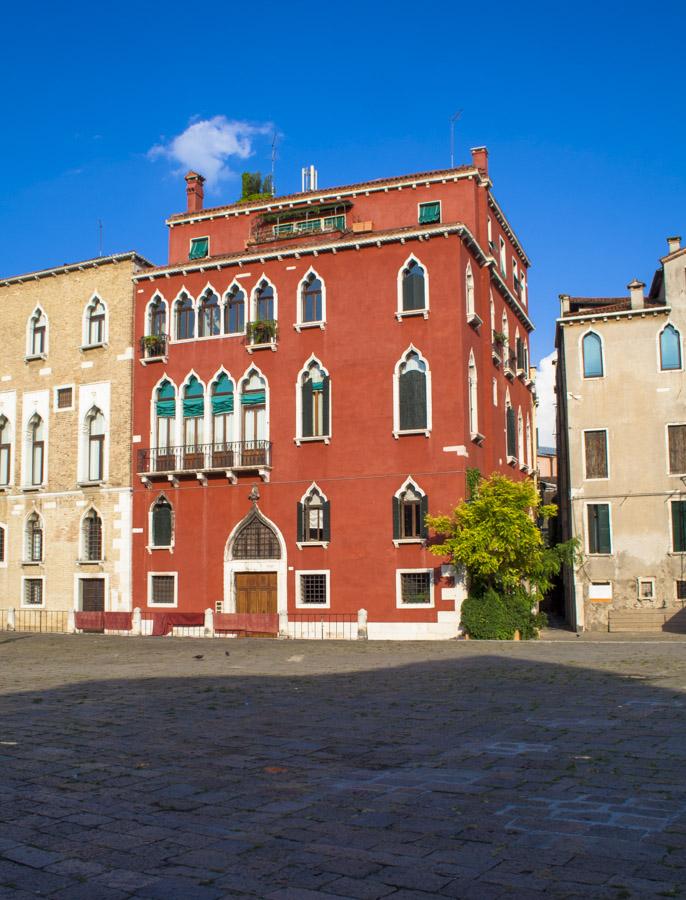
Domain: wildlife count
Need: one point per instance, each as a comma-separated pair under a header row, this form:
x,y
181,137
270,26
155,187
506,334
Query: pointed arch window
x,y
264,302
670,348
91,536
592,350
3,544
161,524
209,315
315,401
472,385
413,282
165,418
410,508
5,451
511,431
412,412
254,419
469,292
38,328
95,323
157,318
529,449
34,539
222,400
234,311
520,437
313,525
193,421
185,318
36,450
311,307
95,424
255,540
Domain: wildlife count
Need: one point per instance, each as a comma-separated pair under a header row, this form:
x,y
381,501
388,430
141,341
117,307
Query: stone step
x,y
646,620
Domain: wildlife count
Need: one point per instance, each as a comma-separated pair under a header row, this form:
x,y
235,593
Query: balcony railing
x,y
510,363
263,233
154,346
205,457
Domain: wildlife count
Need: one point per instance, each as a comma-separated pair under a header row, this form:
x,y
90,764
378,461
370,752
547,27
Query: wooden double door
x,y
256,592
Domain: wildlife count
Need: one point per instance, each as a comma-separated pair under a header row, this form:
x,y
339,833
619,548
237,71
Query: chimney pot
x,y
674,243
194,191
480,159
636,293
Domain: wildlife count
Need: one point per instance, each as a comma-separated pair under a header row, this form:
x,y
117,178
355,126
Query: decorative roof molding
x,y
617,314
507,228
66,268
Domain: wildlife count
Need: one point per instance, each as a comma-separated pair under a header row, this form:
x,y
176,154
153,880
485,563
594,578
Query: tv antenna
x,y
99,237
273,163
453,119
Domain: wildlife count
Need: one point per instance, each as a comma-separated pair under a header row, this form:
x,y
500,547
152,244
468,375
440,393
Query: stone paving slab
x,y
129,768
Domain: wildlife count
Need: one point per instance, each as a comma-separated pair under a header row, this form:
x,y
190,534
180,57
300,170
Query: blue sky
x,y
580,105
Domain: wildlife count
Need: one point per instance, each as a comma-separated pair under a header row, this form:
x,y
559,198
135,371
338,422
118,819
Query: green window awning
x,y
253,398
222,395
165,407
193,399
199,248
429,212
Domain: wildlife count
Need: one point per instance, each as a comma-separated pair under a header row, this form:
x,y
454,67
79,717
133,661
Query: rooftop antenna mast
x,y
99,237
453,119
273,164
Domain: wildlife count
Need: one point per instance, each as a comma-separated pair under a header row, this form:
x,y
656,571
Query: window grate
x,y
313,589
415,587
64,398
92,537
256,540
33,592
681,590
162,588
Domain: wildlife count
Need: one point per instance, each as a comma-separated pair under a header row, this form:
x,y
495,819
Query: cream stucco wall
x,y
99,377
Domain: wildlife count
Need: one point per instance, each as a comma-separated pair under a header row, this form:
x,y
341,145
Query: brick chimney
x,y
194,191
674,244
480,159
636,292
565,305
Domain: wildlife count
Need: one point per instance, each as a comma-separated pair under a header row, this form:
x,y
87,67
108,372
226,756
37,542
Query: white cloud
x,y
545,388
208,145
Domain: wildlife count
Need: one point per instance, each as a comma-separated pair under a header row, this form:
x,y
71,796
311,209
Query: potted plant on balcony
x,y
153,344
262,331
499,338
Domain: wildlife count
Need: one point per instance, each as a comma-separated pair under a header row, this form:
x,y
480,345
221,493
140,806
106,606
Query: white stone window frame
x,y
398,589
473,318
153,411
521,448
603,356
658,352
148,599
252,299
24,604
409,482
431,203
81,576
502,255
83,557
473,400
8,411
586,532
150,547
643,580
246,307
148,307
94,395
85,345
313,487
669,425
55,391
192,240
209,415
29,334
34,403
300,324
5,530
238,425
607,452
397,433
173,329
319,438
220,307
400,313
299,604
181,419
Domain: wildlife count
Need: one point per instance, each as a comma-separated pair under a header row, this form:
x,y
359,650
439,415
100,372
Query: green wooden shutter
x,y
511,436
412,396
423,510
307,409
679,526
396,519
161,526
604,543
299,528
327,521
326,404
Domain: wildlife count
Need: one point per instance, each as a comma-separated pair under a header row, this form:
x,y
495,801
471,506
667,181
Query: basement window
x,y
429,213
646,588
200,248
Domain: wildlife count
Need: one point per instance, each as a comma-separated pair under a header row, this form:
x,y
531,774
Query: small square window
x,y
33,592
163,589
646,588
64,398
415,588
313,589
200,248
429,213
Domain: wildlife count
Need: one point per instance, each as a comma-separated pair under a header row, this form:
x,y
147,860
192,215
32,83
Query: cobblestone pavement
x,y
180,768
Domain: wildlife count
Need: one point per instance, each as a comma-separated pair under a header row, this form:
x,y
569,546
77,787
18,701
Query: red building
x,y
353,351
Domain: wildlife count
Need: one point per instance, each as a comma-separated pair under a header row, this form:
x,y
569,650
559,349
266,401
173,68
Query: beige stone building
x,y
622,452
65,436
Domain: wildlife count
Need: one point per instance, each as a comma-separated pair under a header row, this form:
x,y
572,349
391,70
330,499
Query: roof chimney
x,y
565,305
194,191
636,289
480,159
674,243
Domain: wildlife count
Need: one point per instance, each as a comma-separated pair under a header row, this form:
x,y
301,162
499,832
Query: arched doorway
x,y
255,567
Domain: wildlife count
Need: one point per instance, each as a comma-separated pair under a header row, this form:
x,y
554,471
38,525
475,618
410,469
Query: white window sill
x,y
96,483
406,314
425,431
33,356
402,605
152,606
512,460
153,359
32,562
474,320
304,606
32,606
524,468
301,545
509,374
150,548
599,555
399,542
319,439
299,326
89,562
270,346
102,346
32,488
477,437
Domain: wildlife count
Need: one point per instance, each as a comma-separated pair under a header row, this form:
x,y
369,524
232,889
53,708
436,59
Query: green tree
x,y
494,537
254,187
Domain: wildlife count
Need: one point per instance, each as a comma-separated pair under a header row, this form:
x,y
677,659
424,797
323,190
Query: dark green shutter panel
x,y
299,528
412,391
423,510
396,519
327,521
326,404
418,292
307,408
604,545
161,526
511,437
678,526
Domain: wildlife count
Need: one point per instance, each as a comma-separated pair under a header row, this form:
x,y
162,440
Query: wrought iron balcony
x,y
510,364
154,346
224,456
